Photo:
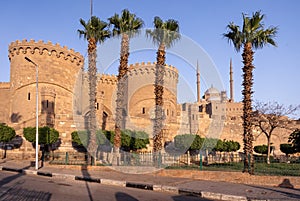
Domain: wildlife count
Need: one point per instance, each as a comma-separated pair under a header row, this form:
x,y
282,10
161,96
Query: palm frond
x,y
94,28
252,31
127,23
166,33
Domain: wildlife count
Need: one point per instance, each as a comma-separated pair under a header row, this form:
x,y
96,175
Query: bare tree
x,y
271,115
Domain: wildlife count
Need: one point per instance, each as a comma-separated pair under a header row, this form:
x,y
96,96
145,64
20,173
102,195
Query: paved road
x,y
15,186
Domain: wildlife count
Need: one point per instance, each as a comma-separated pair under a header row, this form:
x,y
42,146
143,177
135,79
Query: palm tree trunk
x,y
158,91
247,108
120,102
92,73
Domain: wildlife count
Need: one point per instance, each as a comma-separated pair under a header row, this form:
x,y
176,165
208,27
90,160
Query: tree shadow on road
x,y
86,174
8,179
120,196
13,192
288,192
189,198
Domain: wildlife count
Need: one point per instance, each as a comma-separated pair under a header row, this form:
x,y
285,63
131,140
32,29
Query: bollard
x,y
249,163
67,159
200,160
159,160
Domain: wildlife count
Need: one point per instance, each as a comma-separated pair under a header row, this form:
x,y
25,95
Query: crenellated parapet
x,y
107,79
103,78
40,47
4,85
143,68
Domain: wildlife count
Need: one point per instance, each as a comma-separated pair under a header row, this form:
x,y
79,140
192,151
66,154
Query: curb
x,y
113,182
189,192
143,186
12,169
139,186
88,179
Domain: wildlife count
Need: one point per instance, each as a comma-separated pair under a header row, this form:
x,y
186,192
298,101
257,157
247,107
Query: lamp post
x,y
37,115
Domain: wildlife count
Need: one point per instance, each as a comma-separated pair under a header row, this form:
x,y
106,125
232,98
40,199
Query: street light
x,y
37,115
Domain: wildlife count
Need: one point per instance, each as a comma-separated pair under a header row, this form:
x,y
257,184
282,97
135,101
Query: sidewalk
x,y
152,181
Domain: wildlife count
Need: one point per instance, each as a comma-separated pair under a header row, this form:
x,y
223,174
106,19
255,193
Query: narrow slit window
x,y
28,96
97,106
47,104
143,110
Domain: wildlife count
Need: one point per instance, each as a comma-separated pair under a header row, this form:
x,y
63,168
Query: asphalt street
x,y
17,186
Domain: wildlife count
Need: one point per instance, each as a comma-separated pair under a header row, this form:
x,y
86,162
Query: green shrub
x,y
46,135
6,133
261,149
287,149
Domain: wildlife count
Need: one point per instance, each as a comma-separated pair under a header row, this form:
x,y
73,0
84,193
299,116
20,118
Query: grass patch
x,y
278,169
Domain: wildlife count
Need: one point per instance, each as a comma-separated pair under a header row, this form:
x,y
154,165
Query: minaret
x,y
198,83
231,82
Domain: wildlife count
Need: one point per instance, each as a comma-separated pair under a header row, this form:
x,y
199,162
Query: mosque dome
x,y
212,90
212,94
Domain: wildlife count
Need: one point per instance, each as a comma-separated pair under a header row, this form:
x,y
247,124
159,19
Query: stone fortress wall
x,y
63,99
139,98
58,68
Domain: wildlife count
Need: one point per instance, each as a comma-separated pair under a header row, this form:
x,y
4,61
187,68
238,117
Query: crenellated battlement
x,y
107,79
103,78
4,85
41,48
140,69
152,64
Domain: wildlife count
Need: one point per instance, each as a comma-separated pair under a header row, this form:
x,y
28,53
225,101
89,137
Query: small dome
x,y
212,94
212,90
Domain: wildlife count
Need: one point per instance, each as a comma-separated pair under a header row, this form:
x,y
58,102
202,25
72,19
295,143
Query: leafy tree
x,y
164,34
94,31
294,138
209,144
184,142
130,140
29,134
261,149
253,35
80,138
270,116
219,146
47,135
188,142
6,134
232,146
287,149
140,140
197,143
126,25
227,146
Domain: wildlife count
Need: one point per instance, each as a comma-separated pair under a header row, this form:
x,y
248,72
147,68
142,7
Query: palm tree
x,y
126,26
95,31
252,36
164,34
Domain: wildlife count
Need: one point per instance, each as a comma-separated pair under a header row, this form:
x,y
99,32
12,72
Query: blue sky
x,y
203,22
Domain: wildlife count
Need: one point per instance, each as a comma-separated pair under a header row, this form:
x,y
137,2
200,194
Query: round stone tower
x,y
141,98
58,68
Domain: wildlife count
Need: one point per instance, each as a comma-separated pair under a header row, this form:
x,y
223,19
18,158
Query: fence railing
x,y
288,166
